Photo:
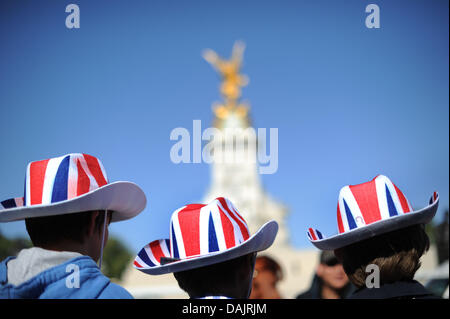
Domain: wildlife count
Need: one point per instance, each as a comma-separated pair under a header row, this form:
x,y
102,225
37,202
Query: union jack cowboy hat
x,y
371,209
72,183
202,235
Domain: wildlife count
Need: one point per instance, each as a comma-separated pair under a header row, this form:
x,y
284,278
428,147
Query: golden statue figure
x,y
232,81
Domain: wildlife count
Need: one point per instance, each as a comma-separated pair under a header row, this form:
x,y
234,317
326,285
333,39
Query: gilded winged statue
x,y
232,80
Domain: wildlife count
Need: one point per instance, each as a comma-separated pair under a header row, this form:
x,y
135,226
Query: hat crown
x,y
369,202
198,229
62,178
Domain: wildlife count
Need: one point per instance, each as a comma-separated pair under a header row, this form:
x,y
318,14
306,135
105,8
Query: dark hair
x,y
328,258
227,278
397,254
50,229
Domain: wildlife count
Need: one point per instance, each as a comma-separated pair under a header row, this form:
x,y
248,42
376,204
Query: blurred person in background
x,y
330,280
266,276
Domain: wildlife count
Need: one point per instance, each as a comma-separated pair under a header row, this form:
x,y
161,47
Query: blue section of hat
x,y
59,192
212,242
143,255
319,234
9,203
25,192
351,221
390,202
175,246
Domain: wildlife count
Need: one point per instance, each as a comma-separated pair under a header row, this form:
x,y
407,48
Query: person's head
x,y
81,232
397,255
231,278
265,278
331,272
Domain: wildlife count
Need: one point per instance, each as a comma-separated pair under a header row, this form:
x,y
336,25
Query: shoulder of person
x,y
114,291
77,278
95,283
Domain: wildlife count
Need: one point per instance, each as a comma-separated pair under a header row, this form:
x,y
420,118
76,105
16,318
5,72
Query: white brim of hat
x,y
422,216
261,240
125,199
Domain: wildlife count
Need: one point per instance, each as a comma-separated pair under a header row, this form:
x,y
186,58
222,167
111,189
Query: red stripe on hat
x,y
156,250
339,221
37,176
366,196
242,227
95,169
83,183
193,206
402,199
228,229
137,264
189,222
311,232
235,210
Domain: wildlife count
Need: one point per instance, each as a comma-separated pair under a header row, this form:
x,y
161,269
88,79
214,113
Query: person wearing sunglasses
x,y
330,280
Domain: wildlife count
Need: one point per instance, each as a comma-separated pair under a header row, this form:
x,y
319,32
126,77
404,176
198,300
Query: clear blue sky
x,y
349,102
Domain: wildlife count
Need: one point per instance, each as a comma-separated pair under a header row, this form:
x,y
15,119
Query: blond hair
x,y
397,255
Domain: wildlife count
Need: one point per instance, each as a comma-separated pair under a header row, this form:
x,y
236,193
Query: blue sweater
x,y
63,282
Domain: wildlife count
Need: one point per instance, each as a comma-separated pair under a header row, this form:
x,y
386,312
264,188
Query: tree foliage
x,y
11,247
116,258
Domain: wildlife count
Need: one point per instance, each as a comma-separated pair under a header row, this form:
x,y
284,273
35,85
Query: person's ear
x,y
92,225
252,261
